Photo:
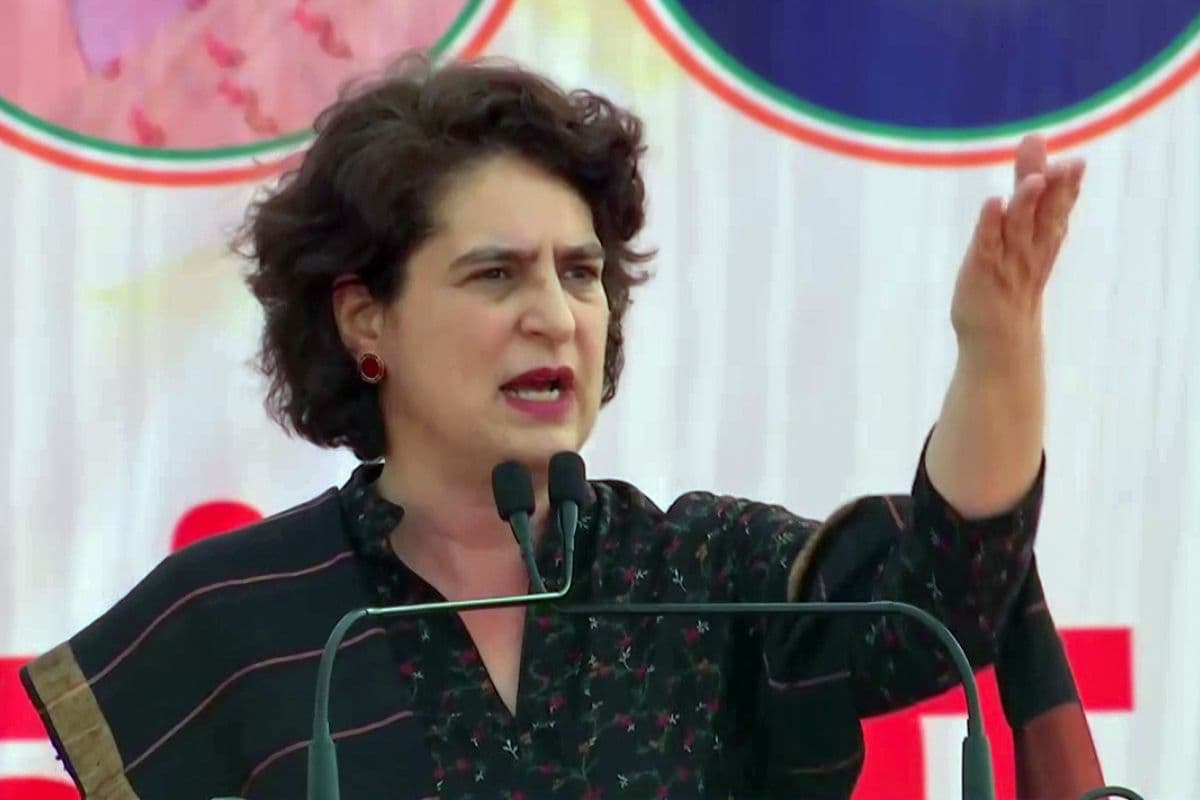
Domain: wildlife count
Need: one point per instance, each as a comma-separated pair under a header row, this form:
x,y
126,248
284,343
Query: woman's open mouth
x,y
546,393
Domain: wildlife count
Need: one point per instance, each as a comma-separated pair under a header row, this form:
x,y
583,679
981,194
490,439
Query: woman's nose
x,y
547,309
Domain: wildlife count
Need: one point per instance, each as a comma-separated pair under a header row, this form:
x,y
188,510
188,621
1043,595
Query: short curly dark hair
x,y
361,201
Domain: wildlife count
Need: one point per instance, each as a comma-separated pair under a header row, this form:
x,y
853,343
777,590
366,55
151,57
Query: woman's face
x,y
495,345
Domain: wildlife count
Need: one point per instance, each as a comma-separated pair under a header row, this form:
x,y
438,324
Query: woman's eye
x,y
492,274
584,273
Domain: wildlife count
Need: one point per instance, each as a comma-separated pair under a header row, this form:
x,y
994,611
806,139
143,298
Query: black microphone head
x,y
568,479
512,488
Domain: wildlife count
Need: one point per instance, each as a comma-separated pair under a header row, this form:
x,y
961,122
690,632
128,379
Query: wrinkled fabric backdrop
x,y
815,170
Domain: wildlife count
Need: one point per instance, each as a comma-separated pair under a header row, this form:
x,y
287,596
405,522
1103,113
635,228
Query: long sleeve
x,y
917,549
838,669
797,685
1055,756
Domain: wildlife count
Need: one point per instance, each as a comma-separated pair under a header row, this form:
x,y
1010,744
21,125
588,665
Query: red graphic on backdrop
x,y
1102,662
36,789
213,517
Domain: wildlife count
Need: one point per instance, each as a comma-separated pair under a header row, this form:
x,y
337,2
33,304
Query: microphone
x,y
568,493
512,490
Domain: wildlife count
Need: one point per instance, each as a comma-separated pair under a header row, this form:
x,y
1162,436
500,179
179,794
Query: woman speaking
x,y
444,278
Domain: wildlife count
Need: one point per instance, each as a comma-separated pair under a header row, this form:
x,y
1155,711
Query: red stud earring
x,y
371,368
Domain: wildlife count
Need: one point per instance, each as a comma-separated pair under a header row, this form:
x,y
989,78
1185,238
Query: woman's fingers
x,y
1019,226
1054,213
987,244
1031,158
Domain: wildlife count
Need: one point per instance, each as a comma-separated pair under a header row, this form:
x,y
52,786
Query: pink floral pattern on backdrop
x,y
199,74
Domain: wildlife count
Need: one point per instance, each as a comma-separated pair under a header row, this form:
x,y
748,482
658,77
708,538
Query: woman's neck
x,y
451,534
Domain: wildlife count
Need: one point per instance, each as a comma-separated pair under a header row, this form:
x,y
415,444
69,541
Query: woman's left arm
x,y
960,545
986,449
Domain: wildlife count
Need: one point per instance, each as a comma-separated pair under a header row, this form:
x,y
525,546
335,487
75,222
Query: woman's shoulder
x,y
702,545
246,574
304,535
226,605
701,509
244,579
291,548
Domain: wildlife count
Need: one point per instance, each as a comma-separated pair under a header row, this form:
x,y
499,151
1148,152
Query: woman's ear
x,y
358,315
